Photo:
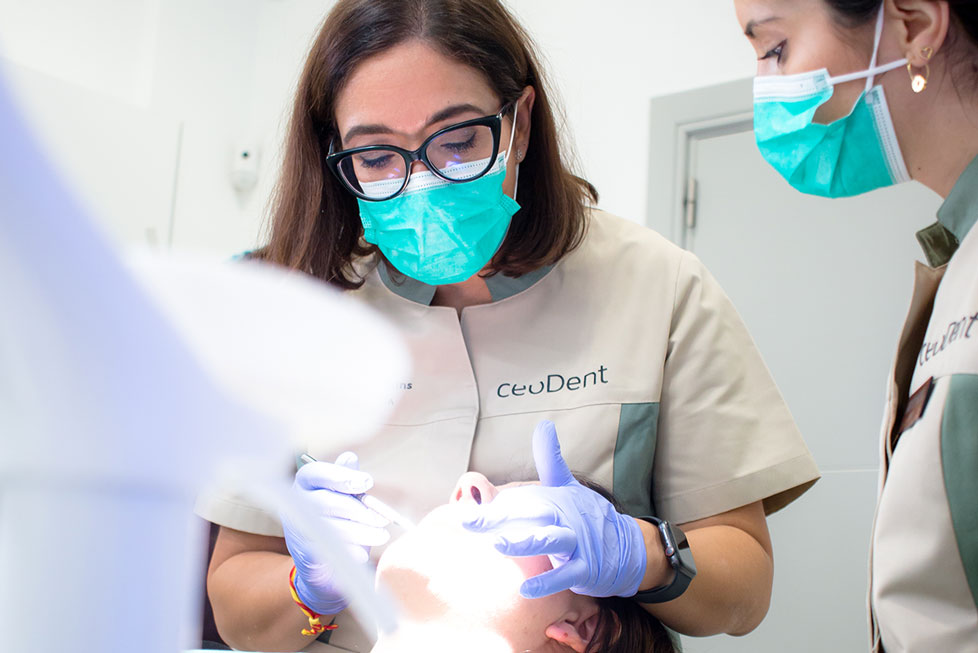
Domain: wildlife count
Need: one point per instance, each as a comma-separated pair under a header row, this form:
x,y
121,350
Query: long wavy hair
x,y
315,225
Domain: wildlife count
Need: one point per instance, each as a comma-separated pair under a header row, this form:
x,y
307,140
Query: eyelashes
x,y
776,51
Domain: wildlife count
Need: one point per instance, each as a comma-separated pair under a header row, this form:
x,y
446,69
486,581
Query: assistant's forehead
x,y
757,14
406,85
758,9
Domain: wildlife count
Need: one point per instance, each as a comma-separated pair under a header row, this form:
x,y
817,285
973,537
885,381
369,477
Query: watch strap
x,y
680,559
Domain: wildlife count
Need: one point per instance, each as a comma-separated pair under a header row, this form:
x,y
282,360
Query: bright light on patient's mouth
x,y
451,561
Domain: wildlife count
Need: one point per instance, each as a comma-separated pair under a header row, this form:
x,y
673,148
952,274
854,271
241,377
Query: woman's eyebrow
x,y
444,114
751,24
453,111
366,130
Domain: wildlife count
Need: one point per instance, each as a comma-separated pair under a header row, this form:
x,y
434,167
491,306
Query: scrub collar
x,y
500,285
955,218
960,210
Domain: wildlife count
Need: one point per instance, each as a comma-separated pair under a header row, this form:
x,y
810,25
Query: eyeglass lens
x,y
459,154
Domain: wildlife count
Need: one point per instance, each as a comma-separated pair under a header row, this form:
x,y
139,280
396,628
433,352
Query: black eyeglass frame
x,y
494,123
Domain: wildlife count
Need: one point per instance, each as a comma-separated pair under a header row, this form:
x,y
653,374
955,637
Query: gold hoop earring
x,y
918,82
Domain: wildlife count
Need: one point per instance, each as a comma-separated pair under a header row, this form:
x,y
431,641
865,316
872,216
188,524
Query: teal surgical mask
x,y
441,232
853,155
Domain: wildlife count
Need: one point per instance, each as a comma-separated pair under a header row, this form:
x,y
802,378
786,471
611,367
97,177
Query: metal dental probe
x,y
372,502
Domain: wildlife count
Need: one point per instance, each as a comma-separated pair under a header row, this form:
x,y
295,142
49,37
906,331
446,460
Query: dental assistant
x,y
423,175
853,95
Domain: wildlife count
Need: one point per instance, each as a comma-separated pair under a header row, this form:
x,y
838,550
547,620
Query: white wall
x,y
103,45
205,76
609,58
222,72
146,95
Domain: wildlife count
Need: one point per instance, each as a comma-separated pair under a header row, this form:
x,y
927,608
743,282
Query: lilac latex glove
x,y
326,490
594,549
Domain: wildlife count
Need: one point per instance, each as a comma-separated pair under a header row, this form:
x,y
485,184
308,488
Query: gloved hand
x,y
594,549
326,489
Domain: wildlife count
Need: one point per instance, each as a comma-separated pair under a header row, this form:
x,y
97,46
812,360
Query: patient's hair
x,y
624,626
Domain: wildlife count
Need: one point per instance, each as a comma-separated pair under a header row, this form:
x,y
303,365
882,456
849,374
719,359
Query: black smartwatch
x,y
680,558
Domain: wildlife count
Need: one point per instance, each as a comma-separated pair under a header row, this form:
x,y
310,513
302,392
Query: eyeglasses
x,y
458,153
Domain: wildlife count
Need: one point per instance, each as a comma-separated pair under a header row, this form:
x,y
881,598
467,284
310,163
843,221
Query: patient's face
x,y
451,583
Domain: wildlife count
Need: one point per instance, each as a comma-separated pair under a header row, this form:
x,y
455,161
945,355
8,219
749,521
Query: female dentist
x,y
853,95
424,175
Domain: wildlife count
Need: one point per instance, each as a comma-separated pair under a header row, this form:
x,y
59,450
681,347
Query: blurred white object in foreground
x,y
282,341
112,416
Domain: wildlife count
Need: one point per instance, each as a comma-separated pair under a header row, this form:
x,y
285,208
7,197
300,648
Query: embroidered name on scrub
x,y
960,329
553,383
403,386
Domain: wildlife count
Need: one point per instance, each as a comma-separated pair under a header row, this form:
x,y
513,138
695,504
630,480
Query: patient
x,y
456,592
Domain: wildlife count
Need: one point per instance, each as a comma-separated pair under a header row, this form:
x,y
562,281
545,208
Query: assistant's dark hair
x,y
624,626
315,224
962,37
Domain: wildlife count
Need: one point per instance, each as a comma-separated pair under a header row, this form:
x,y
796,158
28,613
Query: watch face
x,y
676,548
680,558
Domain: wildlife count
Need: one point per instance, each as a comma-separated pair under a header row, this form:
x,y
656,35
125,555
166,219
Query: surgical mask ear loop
x,y
876,45
516,185
871,73
509,148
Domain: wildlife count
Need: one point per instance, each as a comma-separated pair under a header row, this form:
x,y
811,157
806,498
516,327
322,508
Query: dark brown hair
x,y
315,223
624,626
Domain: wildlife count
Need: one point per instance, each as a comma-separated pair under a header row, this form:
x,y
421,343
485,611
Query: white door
x,y
823,286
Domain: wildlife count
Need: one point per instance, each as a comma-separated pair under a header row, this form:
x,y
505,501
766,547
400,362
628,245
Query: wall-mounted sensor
x,y
244,167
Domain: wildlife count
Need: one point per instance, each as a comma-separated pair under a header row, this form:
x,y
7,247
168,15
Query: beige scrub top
x,y
924,587
627,344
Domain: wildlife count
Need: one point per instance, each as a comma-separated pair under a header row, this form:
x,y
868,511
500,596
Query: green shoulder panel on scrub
x,y
638,427
959,453
960,209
